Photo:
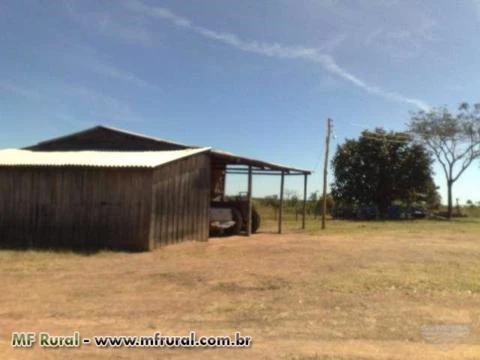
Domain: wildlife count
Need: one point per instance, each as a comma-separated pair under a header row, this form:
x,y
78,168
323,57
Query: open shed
x,y
110,188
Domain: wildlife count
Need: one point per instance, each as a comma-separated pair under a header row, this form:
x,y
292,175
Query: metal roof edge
x,y
271,165
194,152
110,155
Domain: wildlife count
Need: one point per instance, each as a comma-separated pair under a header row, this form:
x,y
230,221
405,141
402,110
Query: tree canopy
x,y
380,167
454,139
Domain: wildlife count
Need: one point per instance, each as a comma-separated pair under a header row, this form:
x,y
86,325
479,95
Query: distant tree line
x,y
293,203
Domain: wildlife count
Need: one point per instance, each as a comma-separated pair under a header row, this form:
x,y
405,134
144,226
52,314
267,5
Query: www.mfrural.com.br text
x,y
155,340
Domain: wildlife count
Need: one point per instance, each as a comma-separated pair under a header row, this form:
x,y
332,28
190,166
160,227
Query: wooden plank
x,y
207,196
187,202
280,213
75,207
174,203
188,206
194,197
304,212
249,212
206,178
190,201
171,199
153,223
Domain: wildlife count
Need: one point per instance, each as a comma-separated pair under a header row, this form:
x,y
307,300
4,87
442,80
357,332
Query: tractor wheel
x,y
255,220
237,217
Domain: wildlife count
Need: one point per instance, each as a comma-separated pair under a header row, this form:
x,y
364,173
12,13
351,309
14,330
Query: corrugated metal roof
x,y
137,159
241,160
218,155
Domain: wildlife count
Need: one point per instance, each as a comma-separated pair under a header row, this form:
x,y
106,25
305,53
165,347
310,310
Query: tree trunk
x,y
450,205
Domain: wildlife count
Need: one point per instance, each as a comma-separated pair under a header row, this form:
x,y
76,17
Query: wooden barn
x,y
109,188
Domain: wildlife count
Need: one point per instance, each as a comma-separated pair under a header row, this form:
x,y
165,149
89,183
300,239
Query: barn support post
x,y
280,212
304,213
249,214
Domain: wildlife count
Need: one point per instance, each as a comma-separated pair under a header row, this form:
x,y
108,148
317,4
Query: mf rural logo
x,y
28,339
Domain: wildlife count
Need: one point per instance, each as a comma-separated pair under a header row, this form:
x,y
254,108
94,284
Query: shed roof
x,y
228,158
123,159
79,142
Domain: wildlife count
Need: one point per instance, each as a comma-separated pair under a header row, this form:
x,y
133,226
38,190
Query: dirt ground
x,y
353,295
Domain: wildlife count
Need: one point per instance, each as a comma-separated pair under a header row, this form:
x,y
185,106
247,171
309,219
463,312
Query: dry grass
x,y
360,291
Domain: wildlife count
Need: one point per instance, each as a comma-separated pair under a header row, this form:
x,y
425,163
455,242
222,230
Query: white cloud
x,y
406,41
15,89
117,73
86,57
97,104
158,12
132,29
277,50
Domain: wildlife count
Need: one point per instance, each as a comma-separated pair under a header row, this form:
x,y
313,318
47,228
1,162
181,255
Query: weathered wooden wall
x,y
75,207
181,201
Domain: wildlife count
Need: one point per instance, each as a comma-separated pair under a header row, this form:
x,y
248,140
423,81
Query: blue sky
x,y
254,77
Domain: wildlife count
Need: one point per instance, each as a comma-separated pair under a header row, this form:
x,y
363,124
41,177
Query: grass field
x,y
358,291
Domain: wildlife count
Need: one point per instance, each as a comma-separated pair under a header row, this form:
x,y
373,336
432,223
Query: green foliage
x,y
472,211
432,197
271,201
454,139
381,167
319,205
294,204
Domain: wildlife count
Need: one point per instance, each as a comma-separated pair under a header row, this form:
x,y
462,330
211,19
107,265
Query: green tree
x,y
271,201
330,204
432,196
294,201
312,203
454,139
378,168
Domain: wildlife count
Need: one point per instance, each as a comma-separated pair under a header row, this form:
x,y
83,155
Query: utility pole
x,y
325,172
